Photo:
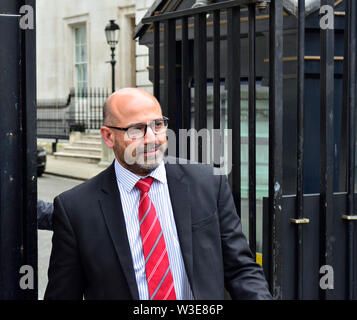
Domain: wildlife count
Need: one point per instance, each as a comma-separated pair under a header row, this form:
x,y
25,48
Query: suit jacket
x,y
91,254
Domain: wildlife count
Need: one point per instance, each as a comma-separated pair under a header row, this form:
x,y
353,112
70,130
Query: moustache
x,y
149,148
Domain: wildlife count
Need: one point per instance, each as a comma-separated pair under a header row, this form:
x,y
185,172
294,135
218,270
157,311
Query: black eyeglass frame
x,y
141,124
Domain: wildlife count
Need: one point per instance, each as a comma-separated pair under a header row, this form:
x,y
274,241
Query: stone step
x,y
88,158
91,137
87,144
82,150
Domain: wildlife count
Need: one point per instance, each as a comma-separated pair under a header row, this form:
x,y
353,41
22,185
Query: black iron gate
x,y
18,182
305,236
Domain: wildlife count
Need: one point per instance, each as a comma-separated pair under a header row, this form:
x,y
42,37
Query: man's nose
x,y
150,135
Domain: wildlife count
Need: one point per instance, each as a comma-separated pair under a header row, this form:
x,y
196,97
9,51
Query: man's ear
x,y
107,136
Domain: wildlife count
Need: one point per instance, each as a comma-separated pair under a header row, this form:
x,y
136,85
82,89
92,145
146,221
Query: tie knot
x,y
145,184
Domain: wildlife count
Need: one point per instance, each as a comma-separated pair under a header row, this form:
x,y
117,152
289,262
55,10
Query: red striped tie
x,y
158,273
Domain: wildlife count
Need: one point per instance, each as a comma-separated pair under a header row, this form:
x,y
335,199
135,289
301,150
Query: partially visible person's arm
x,y
44,215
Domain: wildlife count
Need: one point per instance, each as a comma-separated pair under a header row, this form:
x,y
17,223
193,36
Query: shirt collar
x,y
129,179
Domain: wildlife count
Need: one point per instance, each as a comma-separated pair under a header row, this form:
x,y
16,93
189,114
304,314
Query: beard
x,y
136,158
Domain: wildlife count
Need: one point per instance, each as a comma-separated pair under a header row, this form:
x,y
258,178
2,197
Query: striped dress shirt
x,y
160,197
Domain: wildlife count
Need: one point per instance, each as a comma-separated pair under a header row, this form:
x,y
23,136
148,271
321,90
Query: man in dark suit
x,y
146,229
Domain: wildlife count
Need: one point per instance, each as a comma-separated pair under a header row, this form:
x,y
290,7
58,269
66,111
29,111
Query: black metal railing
x,y
83,109
88,108
53,118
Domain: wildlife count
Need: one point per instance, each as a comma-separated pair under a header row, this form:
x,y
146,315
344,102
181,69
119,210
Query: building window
x,y
81,58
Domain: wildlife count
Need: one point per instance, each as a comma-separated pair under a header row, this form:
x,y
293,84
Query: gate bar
x,y
276,146
233,100
77,109
98,107
200,76
93,105
80,94
185,88
216,70
300,143
327,147
216,87
81,108
96,119
156,53
86,107
185,73
89,100
252,129
169,106
350,94
18,182
30,254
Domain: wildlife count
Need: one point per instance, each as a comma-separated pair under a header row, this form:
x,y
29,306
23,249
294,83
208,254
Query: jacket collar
x,y
129,179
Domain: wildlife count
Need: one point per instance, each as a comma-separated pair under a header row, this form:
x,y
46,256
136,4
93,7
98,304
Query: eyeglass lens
x,y
139,131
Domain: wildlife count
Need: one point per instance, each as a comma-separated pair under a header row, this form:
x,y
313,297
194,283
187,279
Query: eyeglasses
x,y
138,130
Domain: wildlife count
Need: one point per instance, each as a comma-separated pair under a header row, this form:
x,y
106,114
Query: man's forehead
x,y
129,106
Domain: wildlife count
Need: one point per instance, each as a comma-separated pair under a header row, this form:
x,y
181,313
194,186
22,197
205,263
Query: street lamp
x,y
310,6
112,35
199,3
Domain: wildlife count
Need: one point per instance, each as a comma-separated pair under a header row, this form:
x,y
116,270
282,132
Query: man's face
x,y
139,155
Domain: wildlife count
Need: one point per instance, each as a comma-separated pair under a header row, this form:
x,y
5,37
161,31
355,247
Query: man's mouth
x,y
151,152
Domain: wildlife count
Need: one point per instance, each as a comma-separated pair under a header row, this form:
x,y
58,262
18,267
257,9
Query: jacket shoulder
x,y
88,187
189,167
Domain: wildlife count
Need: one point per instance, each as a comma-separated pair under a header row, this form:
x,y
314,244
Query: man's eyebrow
x,y
141,123
137,124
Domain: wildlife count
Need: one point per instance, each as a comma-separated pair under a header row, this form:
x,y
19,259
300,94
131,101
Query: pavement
x,y
71,169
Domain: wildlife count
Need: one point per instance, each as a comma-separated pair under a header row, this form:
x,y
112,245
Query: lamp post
x,y
112,36
199,3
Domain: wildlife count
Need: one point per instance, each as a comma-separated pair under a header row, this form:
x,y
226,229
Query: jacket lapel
x,y
180,194
114,218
